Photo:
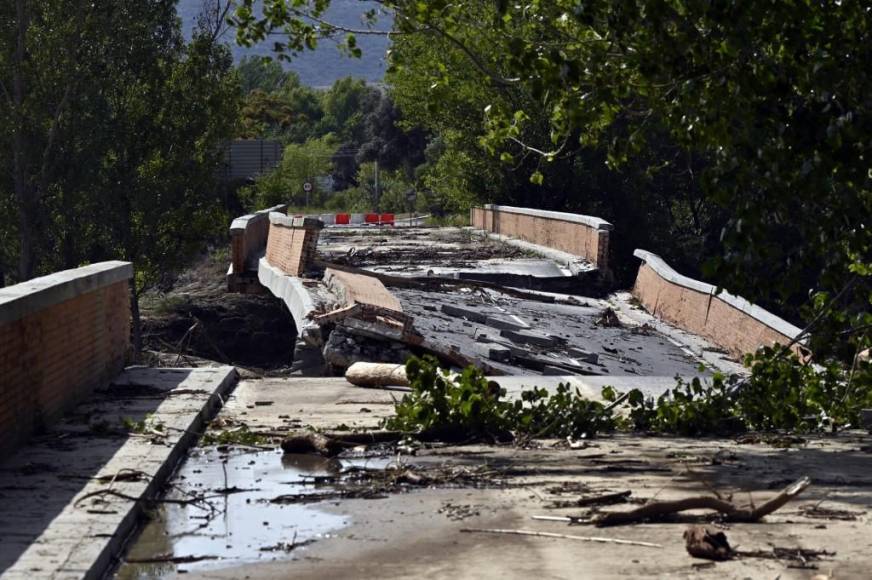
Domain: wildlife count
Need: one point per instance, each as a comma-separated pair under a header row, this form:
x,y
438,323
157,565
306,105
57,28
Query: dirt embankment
x,y
196,318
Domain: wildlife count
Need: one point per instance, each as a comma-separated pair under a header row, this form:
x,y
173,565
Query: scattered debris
x,y
707,543
561,536
798,557
608,319
596,500
286,546
457,512
729,511
332,444
818,512
170,559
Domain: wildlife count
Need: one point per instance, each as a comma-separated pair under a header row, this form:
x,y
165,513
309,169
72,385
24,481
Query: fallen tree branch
x,y
596,539
332,444
731,512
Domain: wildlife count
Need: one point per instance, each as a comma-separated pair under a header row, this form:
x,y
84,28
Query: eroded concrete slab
x,y
70,498
417,533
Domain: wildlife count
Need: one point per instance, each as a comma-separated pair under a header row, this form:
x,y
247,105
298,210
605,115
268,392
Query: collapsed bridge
x,y
522,292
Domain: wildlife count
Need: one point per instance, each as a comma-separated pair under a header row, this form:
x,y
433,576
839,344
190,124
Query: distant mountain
x,y
325,65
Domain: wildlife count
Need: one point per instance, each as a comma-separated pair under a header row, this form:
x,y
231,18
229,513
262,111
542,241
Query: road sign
x,y
307,187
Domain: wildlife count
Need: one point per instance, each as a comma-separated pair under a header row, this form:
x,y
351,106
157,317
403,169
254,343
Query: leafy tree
x,y
301,163
345,105
267,75
114,136
766,101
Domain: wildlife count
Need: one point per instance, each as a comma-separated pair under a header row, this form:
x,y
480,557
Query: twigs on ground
x,y
605,499
170,559
731,512
596,539
710,544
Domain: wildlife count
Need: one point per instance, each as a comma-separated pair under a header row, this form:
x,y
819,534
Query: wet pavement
x,y
230,513
418,531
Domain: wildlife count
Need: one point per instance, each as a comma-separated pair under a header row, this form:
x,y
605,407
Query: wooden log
x,y
364,374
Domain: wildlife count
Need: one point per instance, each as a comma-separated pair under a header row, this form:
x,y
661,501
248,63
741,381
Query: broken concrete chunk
x,y
466,313
530,337
494,352
505,323
588,357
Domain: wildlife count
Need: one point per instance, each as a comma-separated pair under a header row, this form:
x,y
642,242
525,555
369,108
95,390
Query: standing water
x,y
218,513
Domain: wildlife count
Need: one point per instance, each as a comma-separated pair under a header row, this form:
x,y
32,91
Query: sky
x,y
326,64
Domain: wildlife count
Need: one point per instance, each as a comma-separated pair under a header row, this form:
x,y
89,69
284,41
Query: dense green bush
x,y
781,393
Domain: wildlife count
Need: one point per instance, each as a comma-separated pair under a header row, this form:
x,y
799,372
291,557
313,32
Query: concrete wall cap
x,y
593,222
19,300
241,223
278,219
662,269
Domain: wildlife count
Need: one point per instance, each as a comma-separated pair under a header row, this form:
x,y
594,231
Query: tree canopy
x,y
760,112
112,135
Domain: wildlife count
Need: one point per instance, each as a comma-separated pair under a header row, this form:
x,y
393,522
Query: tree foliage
x,y
761,112
112,135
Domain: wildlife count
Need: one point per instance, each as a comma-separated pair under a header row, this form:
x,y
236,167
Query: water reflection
x,y
236,523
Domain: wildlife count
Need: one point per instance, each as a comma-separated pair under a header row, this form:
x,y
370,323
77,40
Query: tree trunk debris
x,y
364,374
731,512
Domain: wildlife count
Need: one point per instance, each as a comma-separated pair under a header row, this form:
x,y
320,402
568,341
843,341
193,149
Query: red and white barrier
x,y
354,219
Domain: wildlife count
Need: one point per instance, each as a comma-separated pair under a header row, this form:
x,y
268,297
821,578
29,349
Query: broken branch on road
x,y
729,511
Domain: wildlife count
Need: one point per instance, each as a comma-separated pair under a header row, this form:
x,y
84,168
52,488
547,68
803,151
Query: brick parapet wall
x,y
248,238
729,321
61,336
292,243
576,234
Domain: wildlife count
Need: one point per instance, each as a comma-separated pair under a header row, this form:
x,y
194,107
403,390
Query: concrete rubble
x,y
378,295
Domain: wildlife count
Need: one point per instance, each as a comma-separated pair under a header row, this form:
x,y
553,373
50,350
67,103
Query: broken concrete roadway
x,y
417,534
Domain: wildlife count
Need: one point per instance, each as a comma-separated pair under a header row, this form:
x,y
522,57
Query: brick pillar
x,y
292,243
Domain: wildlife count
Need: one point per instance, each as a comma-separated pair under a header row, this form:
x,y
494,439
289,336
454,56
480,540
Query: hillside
x,y
325,65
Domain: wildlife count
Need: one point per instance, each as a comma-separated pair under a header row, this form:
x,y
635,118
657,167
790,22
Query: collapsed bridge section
x,y
469,297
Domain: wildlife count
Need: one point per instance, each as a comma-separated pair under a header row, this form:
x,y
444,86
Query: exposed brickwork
x,y
703,314
574,238
248,236
292,248
52,358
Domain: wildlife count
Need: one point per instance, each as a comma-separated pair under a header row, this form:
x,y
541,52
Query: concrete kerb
x,y
28,297
295,295
239,224
575,264
287,221
663,270
590,221
187,440
87,544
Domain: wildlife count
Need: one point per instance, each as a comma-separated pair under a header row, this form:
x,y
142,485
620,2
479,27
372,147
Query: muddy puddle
x,y
218,513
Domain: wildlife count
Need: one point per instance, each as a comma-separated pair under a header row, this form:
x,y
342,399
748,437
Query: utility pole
x,y
377,197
